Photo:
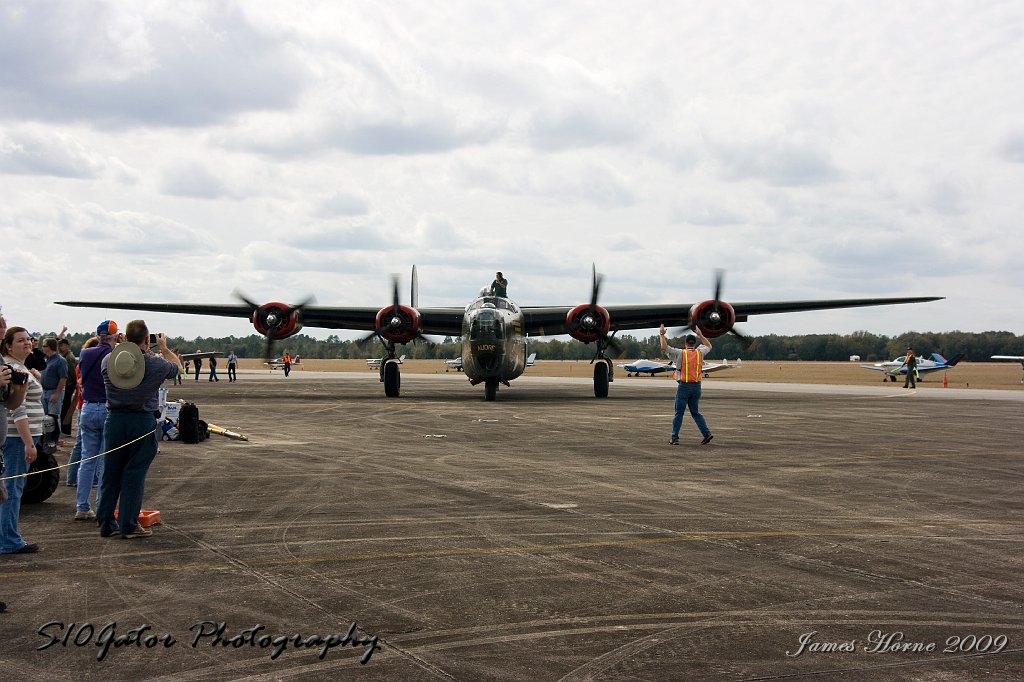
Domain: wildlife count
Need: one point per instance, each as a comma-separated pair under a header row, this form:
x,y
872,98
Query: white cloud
x,y
812,150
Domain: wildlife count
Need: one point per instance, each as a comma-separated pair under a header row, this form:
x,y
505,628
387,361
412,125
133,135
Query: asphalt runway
x,y
828,533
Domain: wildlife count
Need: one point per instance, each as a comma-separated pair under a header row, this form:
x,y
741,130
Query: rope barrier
x,y
63,466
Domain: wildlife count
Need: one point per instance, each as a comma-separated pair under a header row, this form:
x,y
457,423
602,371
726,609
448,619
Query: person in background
x,y
67,408
232,366
76,451
53,379
910,362
689,366
499,287
213,368
92,417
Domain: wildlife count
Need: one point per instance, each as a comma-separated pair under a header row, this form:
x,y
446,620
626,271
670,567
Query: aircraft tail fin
x,y
957,358
530,359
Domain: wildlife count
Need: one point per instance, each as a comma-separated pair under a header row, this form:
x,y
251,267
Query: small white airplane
x,y
651,367
374,363
1014,358
895,368
201,354
278,363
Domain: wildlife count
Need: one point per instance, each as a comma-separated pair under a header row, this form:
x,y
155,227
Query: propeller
x,y
717,315
396,319
590,319
272,318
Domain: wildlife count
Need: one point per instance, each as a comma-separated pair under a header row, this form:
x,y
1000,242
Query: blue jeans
x,y
688,396
91,435
76,452
50,407
124,472
14,464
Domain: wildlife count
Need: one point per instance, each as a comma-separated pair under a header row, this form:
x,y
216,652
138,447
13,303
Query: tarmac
x,y
855,533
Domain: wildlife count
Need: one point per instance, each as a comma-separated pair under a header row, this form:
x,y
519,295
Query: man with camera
x,y
132,377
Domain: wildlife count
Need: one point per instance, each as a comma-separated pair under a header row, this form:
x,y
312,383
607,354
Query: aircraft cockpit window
x,y
486,325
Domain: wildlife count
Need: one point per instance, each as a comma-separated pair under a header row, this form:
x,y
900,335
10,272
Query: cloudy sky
x,y
176,151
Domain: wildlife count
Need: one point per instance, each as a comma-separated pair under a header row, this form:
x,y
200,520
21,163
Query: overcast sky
x,y
176,151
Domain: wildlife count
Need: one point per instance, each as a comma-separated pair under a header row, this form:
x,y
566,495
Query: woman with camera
x,y
24,428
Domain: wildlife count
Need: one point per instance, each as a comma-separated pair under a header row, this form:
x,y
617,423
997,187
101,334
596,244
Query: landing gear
x,y
490,390
601,380
604,373
392,379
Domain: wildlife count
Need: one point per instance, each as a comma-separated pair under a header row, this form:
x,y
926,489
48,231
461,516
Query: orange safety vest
x,y
691,362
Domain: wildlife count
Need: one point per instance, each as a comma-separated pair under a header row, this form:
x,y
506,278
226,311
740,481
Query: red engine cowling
x,y
588,323
710,321
398,326
278,320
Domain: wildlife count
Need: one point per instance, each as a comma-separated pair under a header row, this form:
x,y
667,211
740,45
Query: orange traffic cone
x,y
945,381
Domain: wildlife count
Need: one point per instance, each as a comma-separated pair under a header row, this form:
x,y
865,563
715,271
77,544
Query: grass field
x,y
997,375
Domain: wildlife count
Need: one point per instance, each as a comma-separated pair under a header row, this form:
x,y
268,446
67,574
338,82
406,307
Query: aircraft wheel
x,y
490,390
600,380
39,486
392,380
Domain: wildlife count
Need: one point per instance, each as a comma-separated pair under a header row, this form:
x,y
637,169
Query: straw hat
x,y
126,365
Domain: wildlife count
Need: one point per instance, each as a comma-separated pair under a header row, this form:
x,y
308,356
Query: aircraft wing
x,y
539,321
202,356
881,368
551,321
440,321
1017,358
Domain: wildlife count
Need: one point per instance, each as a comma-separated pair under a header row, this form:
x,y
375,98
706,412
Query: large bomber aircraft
x,y
494,329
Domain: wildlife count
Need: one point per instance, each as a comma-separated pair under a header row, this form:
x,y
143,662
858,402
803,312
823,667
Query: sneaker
x,y
139,532
707,439
673,441
85,516
30,548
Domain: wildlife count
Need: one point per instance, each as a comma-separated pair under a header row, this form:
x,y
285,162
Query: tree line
x,y
819,347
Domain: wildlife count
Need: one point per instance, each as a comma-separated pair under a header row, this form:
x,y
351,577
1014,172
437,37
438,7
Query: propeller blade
x,y
244,299
414,290
309,300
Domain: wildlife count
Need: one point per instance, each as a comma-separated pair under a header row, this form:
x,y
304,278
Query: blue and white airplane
x,y
895,368
651,367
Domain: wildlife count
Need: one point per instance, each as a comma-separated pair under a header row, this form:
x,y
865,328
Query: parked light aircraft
x,y
494,329
652,367
895,368
374,363
202,355
1016,358
278,363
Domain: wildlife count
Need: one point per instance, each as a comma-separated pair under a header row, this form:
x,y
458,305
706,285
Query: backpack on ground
x,y
188,423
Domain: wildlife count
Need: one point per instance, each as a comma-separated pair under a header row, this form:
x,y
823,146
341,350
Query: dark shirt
x,y
55,370
145,397
89,362
500,288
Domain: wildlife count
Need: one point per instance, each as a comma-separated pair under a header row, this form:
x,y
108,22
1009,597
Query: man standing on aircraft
x,y
499,287
688,362
910,362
